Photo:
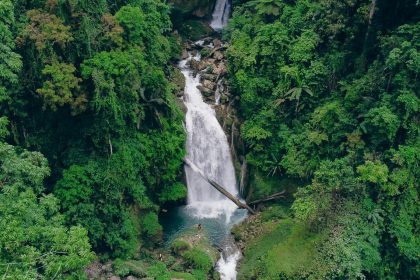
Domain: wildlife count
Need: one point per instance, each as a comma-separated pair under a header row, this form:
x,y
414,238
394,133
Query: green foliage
x,y
46,30
125,267
159,272
86,85
62,87
116,79
34,241
97,196
151,226
198,259
10,61
173,193
329,95
179,246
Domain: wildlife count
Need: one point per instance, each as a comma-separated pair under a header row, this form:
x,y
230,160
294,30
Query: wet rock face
x,y
195,8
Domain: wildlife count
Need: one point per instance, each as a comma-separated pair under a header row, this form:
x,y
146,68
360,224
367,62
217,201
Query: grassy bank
x,y
275,246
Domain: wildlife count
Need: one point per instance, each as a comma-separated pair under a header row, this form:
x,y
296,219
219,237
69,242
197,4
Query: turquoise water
x,y
177,220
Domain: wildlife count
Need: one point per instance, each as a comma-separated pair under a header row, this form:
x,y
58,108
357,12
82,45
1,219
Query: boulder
x,y
209,84
210,77
220,69
205,91
197,65
179,80
218,55
217,43
184,54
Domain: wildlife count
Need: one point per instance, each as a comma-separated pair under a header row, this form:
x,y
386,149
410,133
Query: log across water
x,y
219,187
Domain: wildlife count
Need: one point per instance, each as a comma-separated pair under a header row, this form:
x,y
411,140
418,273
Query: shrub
x,y
199,260
179,246
151,226
199,274
159,272
205,52
274,213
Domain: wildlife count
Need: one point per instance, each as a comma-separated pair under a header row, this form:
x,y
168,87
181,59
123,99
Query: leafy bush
x,y
275,212
151,226
179,246
199,274
173,192
159,271
205,52
198,259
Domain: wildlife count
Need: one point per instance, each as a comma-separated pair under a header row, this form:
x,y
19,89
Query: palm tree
x,y
296,92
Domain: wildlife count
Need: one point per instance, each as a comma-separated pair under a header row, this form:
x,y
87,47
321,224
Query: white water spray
x,y
220,14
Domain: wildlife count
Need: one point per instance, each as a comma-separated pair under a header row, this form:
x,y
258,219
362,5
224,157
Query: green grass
x,y
286,250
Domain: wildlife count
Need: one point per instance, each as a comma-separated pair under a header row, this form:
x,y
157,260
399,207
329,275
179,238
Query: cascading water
x,y
220,14
208,149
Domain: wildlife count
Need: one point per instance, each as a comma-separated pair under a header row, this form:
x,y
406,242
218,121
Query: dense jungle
x,y
318,133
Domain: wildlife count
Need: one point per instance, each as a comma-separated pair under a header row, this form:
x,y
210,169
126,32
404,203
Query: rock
x,y
217,43
209,84
184,54
205,91
218,55
107,266
131,278
178,79
197,65
181,105
220,69
210,61
210,77
113,277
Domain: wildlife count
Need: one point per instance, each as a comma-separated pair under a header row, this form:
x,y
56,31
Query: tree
x,y
34,242
46,30
62,88
295,93
10,61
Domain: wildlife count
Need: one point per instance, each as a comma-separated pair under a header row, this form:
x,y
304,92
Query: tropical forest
x,y
209,139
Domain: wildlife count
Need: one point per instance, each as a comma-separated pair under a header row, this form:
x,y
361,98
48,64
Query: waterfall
x,y
208,149
220,14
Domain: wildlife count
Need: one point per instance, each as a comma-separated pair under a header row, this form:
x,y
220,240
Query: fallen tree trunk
x,y
268,198
219,187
